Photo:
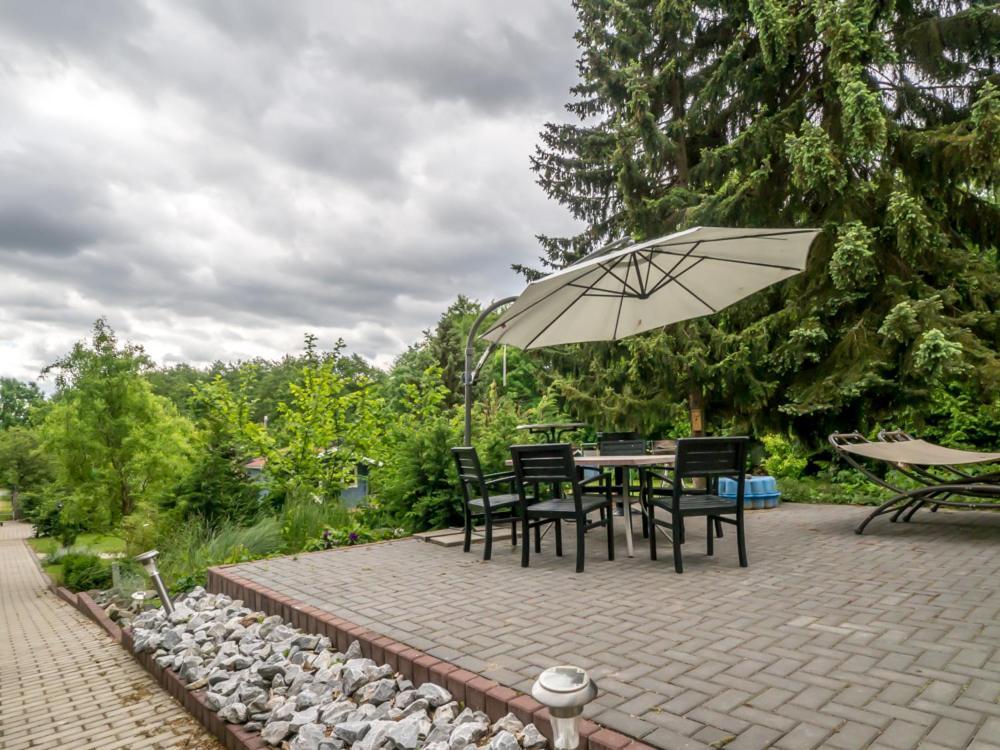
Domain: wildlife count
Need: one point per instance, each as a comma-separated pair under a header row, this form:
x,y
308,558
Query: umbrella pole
x,y
470,375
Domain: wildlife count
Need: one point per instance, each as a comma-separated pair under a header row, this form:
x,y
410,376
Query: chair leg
x,y
645,526
711,534
652,531
611,535
538,539
468,531
741,543
678,563
488,544
513,532
524,542
558,538
718,528
581,531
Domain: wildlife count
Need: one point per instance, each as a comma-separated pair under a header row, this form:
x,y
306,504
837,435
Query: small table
x,y
643,462
551,430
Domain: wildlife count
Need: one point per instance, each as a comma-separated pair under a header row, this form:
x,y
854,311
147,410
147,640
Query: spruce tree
x,y
877,121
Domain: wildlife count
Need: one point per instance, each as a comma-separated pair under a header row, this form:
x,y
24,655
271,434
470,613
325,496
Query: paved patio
x,y
888,640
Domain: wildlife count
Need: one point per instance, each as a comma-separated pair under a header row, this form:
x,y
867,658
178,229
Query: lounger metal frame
x,y
936,489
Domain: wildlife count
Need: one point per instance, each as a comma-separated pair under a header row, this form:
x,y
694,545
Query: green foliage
x,y
784,459
17,401
878,122
330,424
191,547
83,571
23,465
113,442
349,535
304,517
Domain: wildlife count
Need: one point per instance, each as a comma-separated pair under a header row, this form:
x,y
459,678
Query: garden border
x,y
477,692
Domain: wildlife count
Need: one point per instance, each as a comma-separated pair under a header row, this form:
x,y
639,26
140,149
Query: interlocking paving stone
x,y
64,683
832,638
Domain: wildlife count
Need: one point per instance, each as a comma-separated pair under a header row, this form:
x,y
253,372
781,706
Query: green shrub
x,y
82,571
305,516
784,459
196,545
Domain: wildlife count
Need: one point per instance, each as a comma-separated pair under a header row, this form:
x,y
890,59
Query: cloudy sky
x,y
219,177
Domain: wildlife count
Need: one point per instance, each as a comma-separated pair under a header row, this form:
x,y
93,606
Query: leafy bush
x,y
197,545
305,516
784,458
83,571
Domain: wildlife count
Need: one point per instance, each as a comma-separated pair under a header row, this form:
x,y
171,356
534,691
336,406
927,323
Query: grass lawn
x,y
96,543
5,508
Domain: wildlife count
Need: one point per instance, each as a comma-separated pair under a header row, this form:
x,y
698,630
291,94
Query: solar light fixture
x,y
564,691
148,560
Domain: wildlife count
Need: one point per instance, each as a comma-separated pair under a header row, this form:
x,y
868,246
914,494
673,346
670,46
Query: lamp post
x,y
471,373
564,691
148,560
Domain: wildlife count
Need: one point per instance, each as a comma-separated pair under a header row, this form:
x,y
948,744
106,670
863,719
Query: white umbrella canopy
x,y
617,293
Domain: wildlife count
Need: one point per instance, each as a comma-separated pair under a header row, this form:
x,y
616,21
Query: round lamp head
x,y
148,561
564,691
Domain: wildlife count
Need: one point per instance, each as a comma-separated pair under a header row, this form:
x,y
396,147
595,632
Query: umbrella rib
x,y
565,309
695,296
671,277
621,301
762,264
769,235
538,301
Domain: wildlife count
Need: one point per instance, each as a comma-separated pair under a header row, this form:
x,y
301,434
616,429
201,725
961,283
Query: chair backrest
x,y
607,437
622,447
470,472
711,457
544,463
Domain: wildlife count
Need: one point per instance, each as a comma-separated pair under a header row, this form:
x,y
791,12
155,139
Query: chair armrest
x,y
499,478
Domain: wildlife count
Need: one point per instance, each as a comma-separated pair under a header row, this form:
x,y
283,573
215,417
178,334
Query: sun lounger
x,y
932,467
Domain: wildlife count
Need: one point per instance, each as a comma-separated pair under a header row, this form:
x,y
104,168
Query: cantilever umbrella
x,y
621,291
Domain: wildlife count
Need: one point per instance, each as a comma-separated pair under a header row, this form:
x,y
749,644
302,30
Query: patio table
x,y
551,430
643,463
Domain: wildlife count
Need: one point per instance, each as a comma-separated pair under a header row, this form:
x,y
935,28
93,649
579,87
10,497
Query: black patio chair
x,y
553,464
708,458
479,500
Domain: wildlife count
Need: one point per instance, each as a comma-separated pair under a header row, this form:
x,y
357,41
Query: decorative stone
x,y
309,737
468,733
351,731
508,723
353,651
275,732
234,713
301,718
377,692
531,739
435,694
504,740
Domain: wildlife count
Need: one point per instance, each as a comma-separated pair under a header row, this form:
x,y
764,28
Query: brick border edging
x,y
477,692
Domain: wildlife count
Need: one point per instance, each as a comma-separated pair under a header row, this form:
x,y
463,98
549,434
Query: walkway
x,y
64,682
887,640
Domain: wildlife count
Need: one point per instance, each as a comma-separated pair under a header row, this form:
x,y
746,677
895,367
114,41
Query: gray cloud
x,y
218,177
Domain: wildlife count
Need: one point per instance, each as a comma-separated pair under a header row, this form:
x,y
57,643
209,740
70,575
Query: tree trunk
x,y
696,410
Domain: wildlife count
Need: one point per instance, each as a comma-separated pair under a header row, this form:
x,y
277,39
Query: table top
x,y
643,459
552,426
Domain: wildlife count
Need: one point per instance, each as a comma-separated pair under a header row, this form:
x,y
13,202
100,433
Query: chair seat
x,y
496,501
698,505
566,506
